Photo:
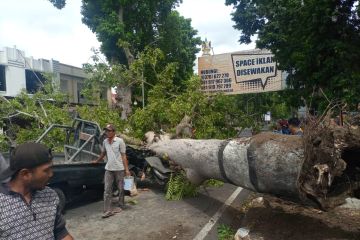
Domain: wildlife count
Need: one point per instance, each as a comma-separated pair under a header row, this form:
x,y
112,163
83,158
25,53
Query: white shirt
x,y
113,154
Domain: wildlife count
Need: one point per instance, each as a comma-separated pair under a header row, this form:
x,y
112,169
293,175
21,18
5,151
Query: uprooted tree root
x,y
331,167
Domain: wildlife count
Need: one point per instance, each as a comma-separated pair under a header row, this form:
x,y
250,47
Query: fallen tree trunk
x,y
274,164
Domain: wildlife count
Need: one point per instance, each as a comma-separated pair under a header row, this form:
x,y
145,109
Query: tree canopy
x,y
316,41
59,4
123,23
126,28
178,41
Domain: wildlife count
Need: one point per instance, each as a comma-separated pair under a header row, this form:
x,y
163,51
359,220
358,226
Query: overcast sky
x,y
43,31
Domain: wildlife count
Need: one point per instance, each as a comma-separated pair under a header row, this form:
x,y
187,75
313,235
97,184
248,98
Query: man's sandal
x,y
116,210
107,214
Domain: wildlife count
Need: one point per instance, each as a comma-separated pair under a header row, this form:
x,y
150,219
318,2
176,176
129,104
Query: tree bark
x,y
124,93
267,163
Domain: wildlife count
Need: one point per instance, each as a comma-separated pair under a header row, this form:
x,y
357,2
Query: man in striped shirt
x,y
28,209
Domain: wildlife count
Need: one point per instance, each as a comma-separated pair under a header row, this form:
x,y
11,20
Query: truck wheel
x,y
62,199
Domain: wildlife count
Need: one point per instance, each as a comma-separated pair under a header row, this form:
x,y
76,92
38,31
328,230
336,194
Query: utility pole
x,y
143,89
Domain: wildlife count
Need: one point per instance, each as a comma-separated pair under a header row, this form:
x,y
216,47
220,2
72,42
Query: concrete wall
x,y
69,85
14,63
15,80
67,77
72,71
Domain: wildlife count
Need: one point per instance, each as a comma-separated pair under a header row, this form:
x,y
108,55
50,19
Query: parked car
x,y
73,170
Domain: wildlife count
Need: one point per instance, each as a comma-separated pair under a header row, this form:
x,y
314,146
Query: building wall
x,y
15,80
69,85
69,78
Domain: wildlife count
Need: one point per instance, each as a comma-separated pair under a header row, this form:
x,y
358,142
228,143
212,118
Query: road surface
x,y
153,217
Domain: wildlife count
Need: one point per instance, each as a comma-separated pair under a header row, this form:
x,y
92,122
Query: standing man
x,y
28,209
116,167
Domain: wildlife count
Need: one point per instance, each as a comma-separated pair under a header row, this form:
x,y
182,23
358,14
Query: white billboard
x,y
240,72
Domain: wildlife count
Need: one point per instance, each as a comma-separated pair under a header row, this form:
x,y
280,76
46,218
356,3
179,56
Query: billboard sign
x,y
240,72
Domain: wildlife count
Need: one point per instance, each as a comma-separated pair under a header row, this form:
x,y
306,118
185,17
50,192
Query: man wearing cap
x,y
29,209
116,167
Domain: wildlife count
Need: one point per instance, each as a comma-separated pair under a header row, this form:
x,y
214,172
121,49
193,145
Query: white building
x,y
19,72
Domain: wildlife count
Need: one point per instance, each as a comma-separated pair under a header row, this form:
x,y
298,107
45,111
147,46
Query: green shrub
x,y
225,232
179,187
213,183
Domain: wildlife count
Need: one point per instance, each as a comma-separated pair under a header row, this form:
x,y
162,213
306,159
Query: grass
x,y
179,187
213,183
225,232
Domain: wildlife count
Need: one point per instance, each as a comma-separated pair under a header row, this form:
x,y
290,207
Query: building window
x,y
32,81
2,78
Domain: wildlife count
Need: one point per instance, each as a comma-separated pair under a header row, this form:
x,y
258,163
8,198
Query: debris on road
x,y
242,233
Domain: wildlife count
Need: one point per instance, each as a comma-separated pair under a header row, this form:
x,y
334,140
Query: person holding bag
x,y
115,169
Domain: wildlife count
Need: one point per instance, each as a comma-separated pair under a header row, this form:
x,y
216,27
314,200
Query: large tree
x,y
126,28
316,41
178,41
